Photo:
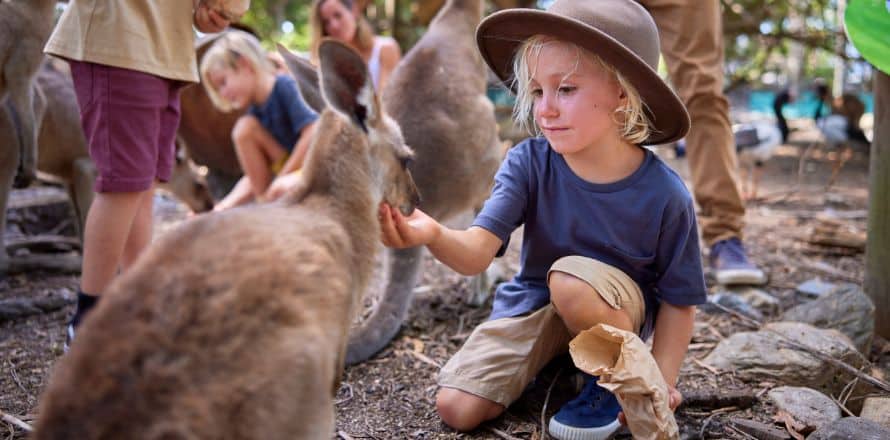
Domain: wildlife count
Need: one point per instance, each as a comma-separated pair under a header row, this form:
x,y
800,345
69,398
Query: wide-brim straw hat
x,y
621,32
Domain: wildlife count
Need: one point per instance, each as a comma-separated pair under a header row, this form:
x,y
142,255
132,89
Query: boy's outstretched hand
x,y
398,231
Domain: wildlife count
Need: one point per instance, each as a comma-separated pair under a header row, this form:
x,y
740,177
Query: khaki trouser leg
x,y
692,45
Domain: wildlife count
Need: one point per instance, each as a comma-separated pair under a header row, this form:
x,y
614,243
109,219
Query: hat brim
x,y
500,34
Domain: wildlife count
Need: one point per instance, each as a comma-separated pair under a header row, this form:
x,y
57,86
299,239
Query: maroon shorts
x,y
130,120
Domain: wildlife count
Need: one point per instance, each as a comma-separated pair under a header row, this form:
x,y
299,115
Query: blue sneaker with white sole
x,y
731,266
593,415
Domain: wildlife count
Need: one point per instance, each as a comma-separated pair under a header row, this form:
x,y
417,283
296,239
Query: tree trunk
x,y
877,256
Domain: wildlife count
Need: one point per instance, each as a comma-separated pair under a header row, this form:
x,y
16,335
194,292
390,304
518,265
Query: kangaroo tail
x,y
375,332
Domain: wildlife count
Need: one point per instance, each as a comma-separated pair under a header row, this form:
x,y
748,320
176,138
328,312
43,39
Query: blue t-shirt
x,y
643,224
284,113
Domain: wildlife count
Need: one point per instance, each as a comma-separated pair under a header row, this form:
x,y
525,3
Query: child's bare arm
x,y
673,331
468,251
295,161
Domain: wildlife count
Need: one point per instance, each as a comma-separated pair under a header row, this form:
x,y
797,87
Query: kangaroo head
x,y
347,89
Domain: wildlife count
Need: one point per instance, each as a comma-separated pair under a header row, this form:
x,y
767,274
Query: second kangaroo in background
x,y
234,325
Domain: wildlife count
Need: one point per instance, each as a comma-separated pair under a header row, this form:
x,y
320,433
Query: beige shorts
x,y
501,357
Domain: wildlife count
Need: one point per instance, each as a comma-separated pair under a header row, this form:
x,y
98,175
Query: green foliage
x,y
269,19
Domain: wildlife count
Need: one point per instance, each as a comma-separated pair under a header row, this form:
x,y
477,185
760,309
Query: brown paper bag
x,y
626,368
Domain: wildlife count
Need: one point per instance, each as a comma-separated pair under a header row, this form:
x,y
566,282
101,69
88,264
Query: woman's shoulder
x,y
389,47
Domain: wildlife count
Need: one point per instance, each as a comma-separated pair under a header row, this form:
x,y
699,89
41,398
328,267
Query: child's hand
x,y
208,19
676,399
281,186
402,232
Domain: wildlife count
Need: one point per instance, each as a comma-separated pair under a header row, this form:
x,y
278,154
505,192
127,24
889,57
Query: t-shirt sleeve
x,y
678,260
506,207
298,112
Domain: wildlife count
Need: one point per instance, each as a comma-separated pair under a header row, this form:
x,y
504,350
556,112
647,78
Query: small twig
x,y
835,362
848,390
15,378
706,366
501,434
344,435
423,358
546,401
713,413
8,418
842,406
739,431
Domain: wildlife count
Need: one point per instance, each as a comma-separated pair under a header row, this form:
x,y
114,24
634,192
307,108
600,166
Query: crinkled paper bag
x,y
626,368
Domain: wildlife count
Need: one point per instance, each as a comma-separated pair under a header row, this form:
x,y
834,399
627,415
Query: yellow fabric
x,y
151,36
279,164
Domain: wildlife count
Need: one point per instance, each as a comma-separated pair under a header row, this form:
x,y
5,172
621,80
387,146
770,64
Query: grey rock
x,y
846,308
806,405
761,355
851,428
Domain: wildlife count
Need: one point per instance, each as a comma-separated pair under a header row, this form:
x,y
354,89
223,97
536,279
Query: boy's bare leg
x,y
464,411
140,231
256,150
240,194
581,307
107,231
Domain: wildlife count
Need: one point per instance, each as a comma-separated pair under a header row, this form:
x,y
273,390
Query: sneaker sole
x,y
565,432
740,276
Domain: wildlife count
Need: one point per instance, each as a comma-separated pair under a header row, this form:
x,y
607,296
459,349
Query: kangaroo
x,y
25,26
62,151
234,324
437,94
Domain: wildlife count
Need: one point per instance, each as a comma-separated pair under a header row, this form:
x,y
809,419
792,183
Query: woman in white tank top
x,y
340,19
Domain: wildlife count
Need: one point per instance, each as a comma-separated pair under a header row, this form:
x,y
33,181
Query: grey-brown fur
x,y
25,26
437,94
234,324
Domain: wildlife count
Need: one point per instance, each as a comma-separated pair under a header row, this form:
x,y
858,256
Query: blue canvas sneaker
x,y
593,415
731,266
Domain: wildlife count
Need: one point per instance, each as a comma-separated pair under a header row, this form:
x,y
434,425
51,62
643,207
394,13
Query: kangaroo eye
x,y
406,161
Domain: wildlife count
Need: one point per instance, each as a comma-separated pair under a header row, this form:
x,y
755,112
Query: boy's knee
x,y
463,411
243,129
568,292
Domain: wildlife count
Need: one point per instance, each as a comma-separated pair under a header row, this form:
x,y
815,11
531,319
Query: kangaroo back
x,y
437,94
234,324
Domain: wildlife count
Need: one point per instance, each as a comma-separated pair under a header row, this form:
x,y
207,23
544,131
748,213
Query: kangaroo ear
x,y
345,83
307,78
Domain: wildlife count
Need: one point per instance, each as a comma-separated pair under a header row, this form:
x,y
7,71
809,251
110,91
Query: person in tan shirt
x,y
129,59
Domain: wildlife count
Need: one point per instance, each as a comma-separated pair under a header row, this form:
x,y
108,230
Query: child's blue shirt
x,y
284,113
643,224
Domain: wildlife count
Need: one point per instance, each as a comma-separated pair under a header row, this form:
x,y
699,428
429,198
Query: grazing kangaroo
x,y
62,151
25,26
234,324
437,95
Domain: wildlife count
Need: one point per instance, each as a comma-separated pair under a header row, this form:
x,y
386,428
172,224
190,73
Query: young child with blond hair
x,y
609,229
272,138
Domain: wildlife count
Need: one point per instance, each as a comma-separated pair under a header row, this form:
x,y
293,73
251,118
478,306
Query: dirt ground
x,y
392,395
